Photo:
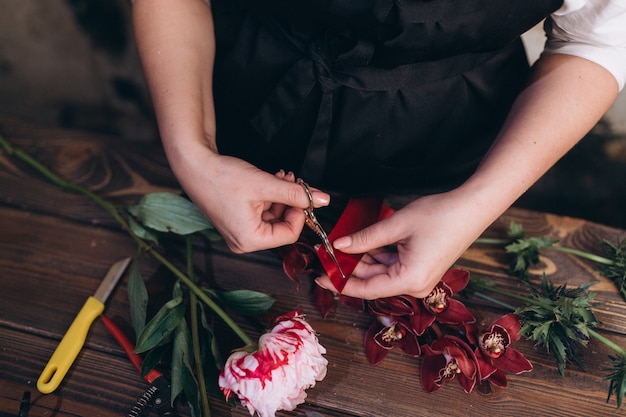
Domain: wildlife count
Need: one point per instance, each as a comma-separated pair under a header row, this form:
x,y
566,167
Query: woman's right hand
x,y
252,209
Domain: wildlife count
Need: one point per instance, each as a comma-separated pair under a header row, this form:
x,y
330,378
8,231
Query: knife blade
x,y
72,342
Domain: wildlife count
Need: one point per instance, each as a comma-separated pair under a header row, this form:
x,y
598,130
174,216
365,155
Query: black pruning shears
x,y
157,395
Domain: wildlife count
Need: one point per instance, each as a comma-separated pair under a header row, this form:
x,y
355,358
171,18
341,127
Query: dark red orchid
x,y
439,304
324,300
297,259
402,305
496,356
387,332
447,358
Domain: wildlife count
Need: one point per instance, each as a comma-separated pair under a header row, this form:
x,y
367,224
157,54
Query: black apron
x,y
368,96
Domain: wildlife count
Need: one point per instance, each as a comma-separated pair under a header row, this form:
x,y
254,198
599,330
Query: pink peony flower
x,y
288,361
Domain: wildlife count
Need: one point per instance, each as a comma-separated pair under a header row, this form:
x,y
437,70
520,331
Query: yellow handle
x,y
70,346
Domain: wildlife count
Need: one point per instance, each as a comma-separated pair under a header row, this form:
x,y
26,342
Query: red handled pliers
x,y
157,395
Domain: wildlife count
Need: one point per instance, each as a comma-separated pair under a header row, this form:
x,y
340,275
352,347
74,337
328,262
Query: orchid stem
x,y
109,208
494,300
509,294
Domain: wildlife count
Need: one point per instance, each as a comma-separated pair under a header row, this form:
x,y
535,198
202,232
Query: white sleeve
x,y
591,29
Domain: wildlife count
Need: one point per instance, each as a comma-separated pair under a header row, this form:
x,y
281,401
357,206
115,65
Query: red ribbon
x,y
358,214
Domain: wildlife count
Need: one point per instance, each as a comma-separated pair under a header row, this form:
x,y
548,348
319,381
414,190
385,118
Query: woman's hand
x,y
409,251
564,99
252,209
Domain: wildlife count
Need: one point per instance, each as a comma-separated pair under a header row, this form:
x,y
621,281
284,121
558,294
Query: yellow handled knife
x,y
74,339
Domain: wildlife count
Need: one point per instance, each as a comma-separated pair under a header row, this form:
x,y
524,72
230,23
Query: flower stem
x,y
492,241
583,254
112,210
527,300
607,342
576,252
195,339
494,300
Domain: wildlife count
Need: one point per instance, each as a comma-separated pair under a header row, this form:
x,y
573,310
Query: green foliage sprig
x,y
562,320
526,252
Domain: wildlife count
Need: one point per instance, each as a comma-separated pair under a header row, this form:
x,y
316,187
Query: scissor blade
x,y
331,252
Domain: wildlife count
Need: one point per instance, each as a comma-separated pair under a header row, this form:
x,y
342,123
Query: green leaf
x,y
516,231
152,358
214,348
162,325
246,302
526,253
137,299
142,232
181,351
191,390
167,212
617,378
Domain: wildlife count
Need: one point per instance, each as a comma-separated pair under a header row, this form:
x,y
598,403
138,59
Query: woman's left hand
x,y
428,236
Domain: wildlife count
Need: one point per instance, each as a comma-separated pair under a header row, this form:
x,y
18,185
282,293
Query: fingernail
x,y
319,284
291,176
342,242
320,199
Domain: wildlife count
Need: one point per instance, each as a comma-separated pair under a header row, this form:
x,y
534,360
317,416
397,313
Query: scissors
x,y
315,225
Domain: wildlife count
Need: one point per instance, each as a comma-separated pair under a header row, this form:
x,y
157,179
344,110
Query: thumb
x,y
365,240
294,195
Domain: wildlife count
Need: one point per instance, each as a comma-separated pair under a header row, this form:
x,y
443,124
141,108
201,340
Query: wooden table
x,y
55,246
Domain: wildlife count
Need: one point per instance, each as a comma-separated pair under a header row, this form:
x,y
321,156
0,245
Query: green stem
x,y
527,300
109,208
55,179
195,338
582,254
494,300
492,241
607,342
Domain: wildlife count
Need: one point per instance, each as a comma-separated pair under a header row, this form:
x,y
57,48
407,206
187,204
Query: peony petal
x,y
456,313
513,361
456,279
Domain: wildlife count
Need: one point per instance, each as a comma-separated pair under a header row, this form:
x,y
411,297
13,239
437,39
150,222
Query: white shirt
x,y
591,29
